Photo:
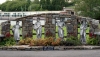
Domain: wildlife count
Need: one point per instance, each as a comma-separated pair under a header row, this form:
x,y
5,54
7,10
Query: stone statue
x,y
16,31
83,28
38,28
60,28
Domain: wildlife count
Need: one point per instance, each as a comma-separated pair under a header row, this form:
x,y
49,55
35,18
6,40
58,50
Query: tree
x,y
15,5
34,7
88,8
48,4
28,5
4,5
58,4
36,2
42,4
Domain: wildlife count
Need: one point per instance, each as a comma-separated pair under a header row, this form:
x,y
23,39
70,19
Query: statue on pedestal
x,y
38,28
16,31
83,28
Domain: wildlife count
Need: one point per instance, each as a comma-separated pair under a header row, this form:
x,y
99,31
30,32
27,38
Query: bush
x,y
56,42
93,41
40,42
50,41
71,41
8,42
26,41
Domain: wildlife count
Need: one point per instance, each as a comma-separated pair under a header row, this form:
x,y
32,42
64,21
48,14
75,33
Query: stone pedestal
x,y
27,28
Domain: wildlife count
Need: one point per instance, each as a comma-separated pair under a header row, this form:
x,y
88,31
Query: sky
x,y
2,1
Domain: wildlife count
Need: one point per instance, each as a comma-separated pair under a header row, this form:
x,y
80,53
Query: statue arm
x,y
13,28
36,26
64,24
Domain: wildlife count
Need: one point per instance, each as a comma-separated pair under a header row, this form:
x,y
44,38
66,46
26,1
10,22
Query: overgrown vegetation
x,y
50,41
88,8
71,41
93,41
8,42
40,42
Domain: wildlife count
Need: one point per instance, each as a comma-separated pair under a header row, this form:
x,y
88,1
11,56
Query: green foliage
x,y
36,5
15,5
93,41
36,2
8,42
3,6
54,4
88,8
71,41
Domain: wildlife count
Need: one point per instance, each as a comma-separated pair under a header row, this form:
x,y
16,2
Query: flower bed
x,y
40,42
50,41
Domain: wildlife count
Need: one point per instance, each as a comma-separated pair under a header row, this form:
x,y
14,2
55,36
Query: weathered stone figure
x,y
83,28
38,28
16,31
60,28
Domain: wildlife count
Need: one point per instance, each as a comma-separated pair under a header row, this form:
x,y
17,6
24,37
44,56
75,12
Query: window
x,y
14,15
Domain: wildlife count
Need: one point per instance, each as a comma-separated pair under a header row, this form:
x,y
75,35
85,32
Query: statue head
x,y
17,23
38,19
61,20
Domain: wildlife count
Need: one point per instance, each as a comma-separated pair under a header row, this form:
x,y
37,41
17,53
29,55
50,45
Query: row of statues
x,y
38,28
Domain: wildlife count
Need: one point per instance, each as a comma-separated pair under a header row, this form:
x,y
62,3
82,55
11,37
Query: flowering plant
x,y
7,34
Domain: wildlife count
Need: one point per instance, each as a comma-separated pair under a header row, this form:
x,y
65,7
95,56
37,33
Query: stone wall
x,y
27,28
71,26
94,27
5,27
50,27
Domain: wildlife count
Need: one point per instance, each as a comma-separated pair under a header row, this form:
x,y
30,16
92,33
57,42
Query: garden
x,y
50,32
49,41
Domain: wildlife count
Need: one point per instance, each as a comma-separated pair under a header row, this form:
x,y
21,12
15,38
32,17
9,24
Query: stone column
x,y
71,26
75,25
5,27
50,27
27,28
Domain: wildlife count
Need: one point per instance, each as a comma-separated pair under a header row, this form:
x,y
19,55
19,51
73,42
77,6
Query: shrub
x,y
21,42
56,42
50,41
93,41
26,41
8,35
8,42
38,42
71,41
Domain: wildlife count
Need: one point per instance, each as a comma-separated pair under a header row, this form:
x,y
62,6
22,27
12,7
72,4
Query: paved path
x,y
67,53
